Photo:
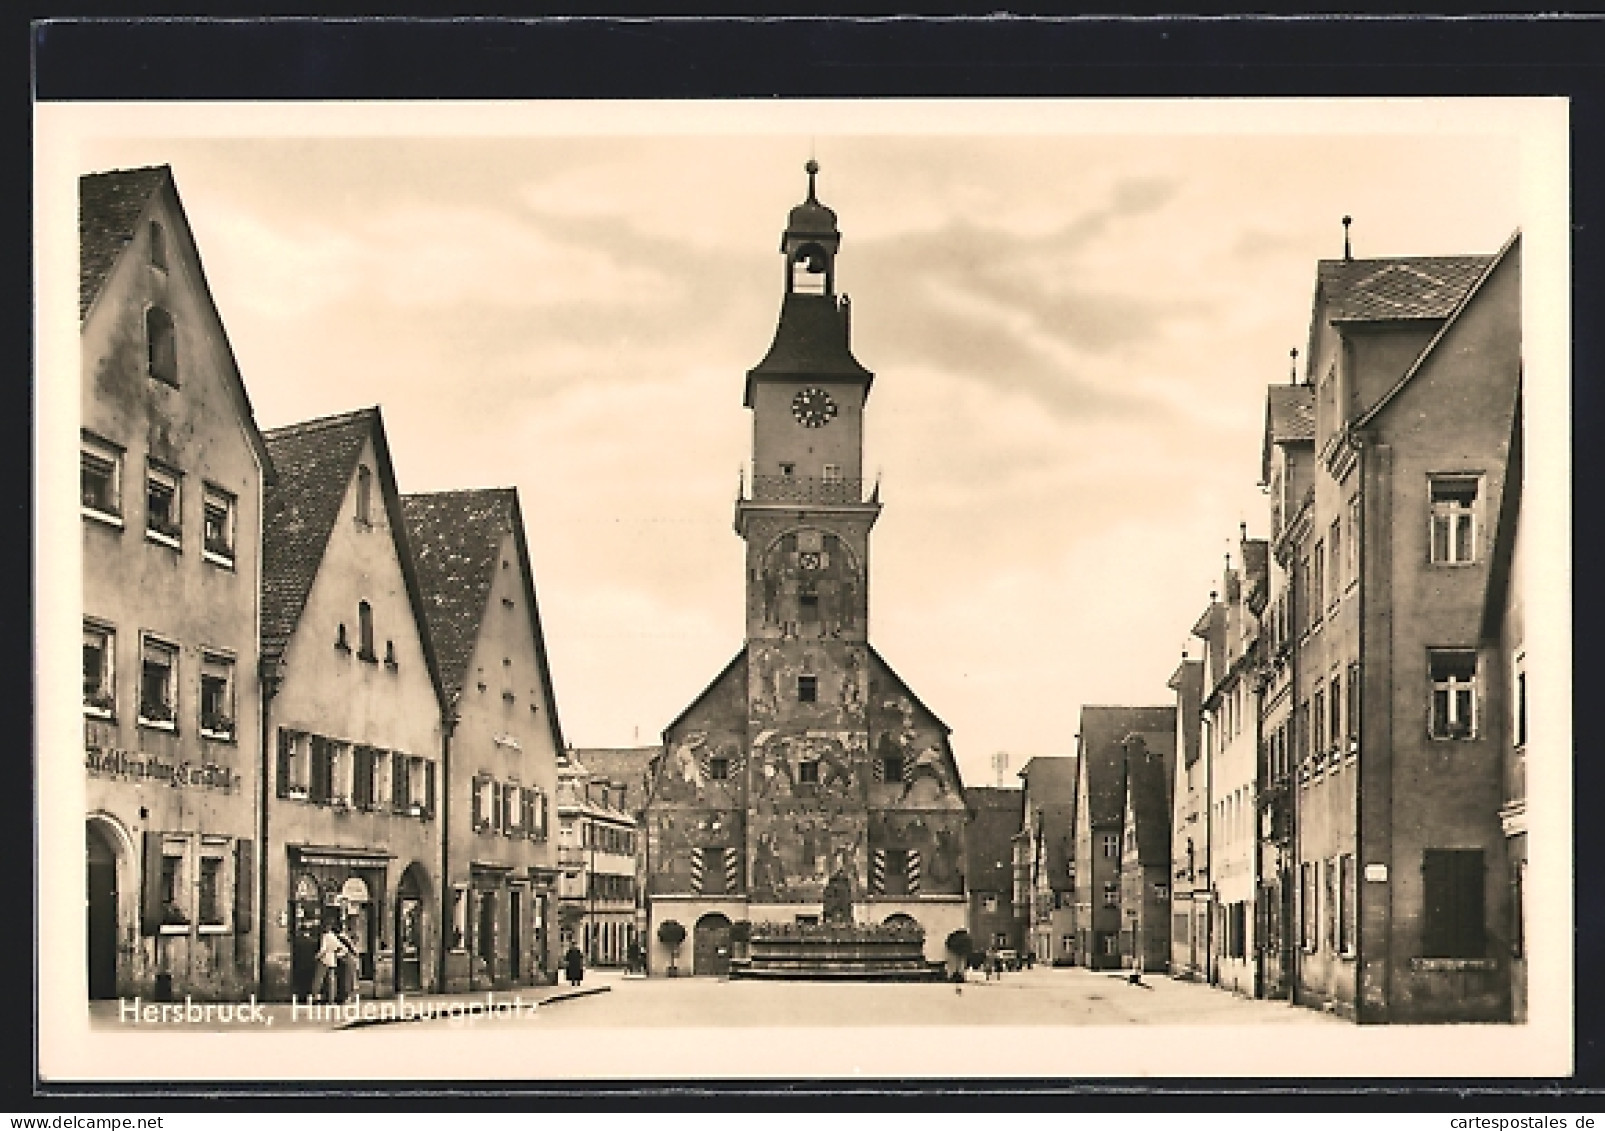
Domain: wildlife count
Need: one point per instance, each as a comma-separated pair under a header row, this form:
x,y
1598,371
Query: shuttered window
x,y
322,770
244,885
398,781
1452,911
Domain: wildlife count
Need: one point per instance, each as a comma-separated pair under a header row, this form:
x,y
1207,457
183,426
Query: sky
x,y
1072,324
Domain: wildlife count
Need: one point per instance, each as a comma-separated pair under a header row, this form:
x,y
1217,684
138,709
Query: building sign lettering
x,y
180,775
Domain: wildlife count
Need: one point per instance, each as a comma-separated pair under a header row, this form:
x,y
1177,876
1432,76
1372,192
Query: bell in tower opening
x,y
841,790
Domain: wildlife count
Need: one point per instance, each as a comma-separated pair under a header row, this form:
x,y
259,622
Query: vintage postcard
x,y
832,589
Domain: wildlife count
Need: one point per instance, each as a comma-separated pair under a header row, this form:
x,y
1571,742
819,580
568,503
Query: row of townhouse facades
x,y
1333,809
309,700
1348,800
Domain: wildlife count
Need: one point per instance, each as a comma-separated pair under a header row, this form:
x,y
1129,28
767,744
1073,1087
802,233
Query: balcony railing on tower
x,y
806,489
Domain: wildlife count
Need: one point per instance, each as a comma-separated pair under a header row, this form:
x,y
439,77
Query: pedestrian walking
x,y
574,965
348,966
330,948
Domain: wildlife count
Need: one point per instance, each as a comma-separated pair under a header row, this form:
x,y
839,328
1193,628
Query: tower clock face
x,y
813,408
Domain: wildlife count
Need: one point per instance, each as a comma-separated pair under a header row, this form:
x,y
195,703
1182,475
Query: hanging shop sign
x,y
126,764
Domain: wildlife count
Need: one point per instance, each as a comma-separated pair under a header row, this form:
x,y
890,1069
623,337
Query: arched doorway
x,y
410,895
306,927
101,911
710,949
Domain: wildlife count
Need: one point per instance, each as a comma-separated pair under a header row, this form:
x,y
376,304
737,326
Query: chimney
x,y
847,321
1348,254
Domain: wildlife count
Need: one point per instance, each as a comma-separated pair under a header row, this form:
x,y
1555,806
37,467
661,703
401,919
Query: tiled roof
x,y
810,341
1257,561
1373,290
1104,729
315,461
629,766
456,539
989,838
1289,413
1050,789
109,206
1004,797
1050,781
1149,791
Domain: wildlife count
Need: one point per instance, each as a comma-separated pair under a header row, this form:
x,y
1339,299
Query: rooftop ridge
x,y
319,423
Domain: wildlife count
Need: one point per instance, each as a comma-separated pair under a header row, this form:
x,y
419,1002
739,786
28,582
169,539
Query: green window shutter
x,y
429,789
479,802
150,896
244,886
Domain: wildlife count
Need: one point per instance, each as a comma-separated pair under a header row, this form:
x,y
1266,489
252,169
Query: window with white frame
x,y
1111,894
163,504
1352,559
158,683
832,473
1111,846
1454,693
1348,916
217,695
1454,519
295,764
100,479
1334,539
1318,583
217,528
484,803
100,670
1335,717
342,775
1353,702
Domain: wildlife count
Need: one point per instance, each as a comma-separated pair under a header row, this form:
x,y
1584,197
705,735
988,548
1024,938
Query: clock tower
x,y
807,780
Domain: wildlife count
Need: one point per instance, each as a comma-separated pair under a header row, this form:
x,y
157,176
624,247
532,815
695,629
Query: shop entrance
x,y
409,933
710,952
306,928
101,911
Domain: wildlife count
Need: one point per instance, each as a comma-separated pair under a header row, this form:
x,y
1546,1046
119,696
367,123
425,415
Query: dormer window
x,y
788,470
